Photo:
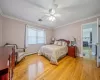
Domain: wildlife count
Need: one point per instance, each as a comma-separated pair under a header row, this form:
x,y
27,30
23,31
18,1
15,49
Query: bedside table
x,y
72,51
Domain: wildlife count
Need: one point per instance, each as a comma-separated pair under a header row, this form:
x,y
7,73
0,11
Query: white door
x,y
98,41
98,29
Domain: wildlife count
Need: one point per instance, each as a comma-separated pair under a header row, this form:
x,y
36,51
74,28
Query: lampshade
x,y
53,39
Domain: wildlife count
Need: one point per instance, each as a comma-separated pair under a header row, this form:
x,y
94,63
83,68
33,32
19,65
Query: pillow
x,y
56,42
64,43
59,43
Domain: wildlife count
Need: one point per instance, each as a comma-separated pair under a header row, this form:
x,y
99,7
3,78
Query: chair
x,y
19,52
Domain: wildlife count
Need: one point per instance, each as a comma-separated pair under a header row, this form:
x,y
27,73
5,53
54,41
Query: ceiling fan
x,y
51,14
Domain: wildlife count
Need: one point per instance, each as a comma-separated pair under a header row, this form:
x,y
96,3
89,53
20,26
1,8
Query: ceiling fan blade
x,y
74,8
47,14
57,15
42,17
54,5
32,2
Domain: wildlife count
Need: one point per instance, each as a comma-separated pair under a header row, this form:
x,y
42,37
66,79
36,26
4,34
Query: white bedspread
x,y
53,52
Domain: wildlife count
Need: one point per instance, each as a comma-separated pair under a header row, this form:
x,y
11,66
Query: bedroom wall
x,y
0,30
14,32
72,30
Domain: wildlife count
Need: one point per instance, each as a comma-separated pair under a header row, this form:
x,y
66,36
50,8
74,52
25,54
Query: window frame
x,y
29,26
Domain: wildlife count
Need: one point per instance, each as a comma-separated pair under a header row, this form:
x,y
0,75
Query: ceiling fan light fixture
x,y
53,11
52,18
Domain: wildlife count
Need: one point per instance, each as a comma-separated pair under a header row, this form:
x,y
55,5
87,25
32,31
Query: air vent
x,y
40,20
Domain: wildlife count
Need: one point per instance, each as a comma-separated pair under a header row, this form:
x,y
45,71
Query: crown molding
x,y
26,22
78,21
44,26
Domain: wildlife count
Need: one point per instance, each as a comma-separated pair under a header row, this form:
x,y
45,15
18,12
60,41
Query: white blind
x,y
40,36
35,36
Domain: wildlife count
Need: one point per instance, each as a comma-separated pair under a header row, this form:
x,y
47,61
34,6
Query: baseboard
x,y
80,55
30,53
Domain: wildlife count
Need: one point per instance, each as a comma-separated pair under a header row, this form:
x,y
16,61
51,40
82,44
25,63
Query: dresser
x,y
7,63
72,51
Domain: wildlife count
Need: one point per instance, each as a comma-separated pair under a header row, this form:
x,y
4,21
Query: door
x,y
89,40
98,42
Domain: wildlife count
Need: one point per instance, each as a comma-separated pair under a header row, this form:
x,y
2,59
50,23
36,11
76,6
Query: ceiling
x,y
32,10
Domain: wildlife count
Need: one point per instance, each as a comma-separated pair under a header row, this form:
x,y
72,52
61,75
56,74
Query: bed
x,y
55,51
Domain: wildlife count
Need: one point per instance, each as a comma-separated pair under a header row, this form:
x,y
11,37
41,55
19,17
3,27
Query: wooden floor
x,y
87,51
36,67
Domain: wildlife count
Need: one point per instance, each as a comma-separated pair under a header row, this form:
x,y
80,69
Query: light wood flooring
x,y
88,53
36,67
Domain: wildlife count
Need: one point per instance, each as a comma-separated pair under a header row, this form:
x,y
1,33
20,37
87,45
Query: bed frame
x,y
67,41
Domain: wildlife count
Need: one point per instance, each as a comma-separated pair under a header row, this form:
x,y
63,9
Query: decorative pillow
x,y
64,43
59,43
56,42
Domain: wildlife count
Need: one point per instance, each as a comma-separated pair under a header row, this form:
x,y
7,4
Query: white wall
x,y
98,48
14,32
0,30
73,30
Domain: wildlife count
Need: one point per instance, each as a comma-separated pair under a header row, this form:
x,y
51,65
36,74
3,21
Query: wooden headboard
x,y
67,41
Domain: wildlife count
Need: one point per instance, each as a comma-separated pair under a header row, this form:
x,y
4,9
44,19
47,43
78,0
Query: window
x,y
31,36
35,36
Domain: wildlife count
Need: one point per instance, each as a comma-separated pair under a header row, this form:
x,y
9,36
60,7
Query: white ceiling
x,y
32,10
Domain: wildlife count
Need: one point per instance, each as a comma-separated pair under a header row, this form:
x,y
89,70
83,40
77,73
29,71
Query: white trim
x,y
97,30
89,23
80,55
45,36
82,36
32,26
77,21
37,30
27,22
81,40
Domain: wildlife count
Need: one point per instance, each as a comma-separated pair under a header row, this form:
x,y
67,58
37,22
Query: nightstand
x,y
72,51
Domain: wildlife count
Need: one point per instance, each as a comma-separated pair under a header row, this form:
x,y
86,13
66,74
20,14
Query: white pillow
x,y
59,43
56,42
64,43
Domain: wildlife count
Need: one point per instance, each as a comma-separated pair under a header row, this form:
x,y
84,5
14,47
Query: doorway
x,y
89,40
